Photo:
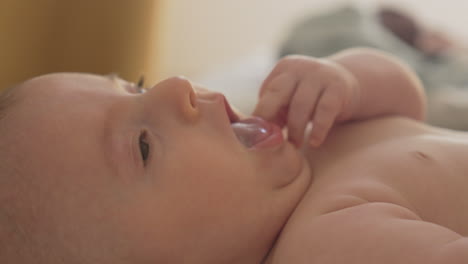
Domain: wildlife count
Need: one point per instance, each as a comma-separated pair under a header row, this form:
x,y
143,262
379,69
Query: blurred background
x,y
200,36
99,36
160,38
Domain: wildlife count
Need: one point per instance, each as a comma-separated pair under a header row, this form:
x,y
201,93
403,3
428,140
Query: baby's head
x,y
92,172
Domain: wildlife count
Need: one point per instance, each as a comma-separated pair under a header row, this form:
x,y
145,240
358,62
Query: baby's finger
x,y
282,66
324,116
301,107
275,97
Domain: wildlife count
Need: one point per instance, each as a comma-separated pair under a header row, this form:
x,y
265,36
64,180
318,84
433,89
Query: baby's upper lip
x,y
229,115
233,117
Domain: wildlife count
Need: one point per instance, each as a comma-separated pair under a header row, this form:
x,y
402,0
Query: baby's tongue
x,y
251,131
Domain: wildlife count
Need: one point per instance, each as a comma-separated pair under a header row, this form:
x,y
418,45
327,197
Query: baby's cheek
x,y
145,230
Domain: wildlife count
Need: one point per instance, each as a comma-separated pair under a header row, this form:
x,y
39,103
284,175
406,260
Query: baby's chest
x,y
426,174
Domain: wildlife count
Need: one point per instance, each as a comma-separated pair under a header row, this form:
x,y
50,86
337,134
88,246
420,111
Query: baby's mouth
x,y
249,131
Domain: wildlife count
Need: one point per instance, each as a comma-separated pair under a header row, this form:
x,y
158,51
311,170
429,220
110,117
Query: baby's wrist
x,y
352,97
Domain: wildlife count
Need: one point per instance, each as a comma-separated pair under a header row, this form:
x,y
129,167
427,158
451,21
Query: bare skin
x,y
384,190
396,193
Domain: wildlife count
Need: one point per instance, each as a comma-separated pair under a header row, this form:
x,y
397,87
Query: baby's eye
x,y
136,88
144,146
141,85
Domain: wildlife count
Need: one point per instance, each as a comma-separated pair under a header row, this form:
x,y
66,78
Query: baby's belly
x,y
426,172
429,173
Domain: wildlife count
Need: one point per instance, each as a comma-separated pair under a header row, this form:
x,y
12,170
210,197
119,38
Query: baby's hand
x,y
302,89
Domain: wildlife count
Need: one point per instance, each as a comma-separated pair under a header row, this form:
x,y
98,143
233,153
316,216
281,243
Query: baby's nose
x,y
205,94
176,93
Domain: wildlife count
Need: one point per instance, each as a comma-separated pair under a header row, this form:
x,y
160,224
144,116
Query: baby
x,y
95,170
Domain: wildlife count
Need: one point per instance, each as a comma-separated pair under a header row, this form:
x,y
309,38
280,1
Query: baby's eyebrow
x,y
117,84
114,78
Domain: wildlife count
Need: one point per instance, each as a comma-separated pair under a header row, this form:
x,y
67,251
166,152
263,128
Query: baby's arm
x,y
372,233
351,85
387,85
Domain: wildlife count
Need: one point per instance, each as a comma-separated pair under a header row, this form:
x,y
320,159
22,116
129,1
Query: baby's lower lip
x,y
274,138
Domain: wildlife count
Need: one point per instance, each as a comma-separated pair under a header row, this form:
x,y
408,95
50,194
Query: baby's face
x,y
157,177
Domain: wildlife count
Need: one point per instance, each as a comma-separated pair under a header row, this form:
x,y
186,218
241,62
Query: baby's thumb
x,y
264,110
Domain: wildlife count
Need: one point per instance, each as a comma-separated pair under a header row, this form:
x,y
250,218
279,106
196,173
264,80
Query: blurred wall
x,y
100,36
160,38
199,36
